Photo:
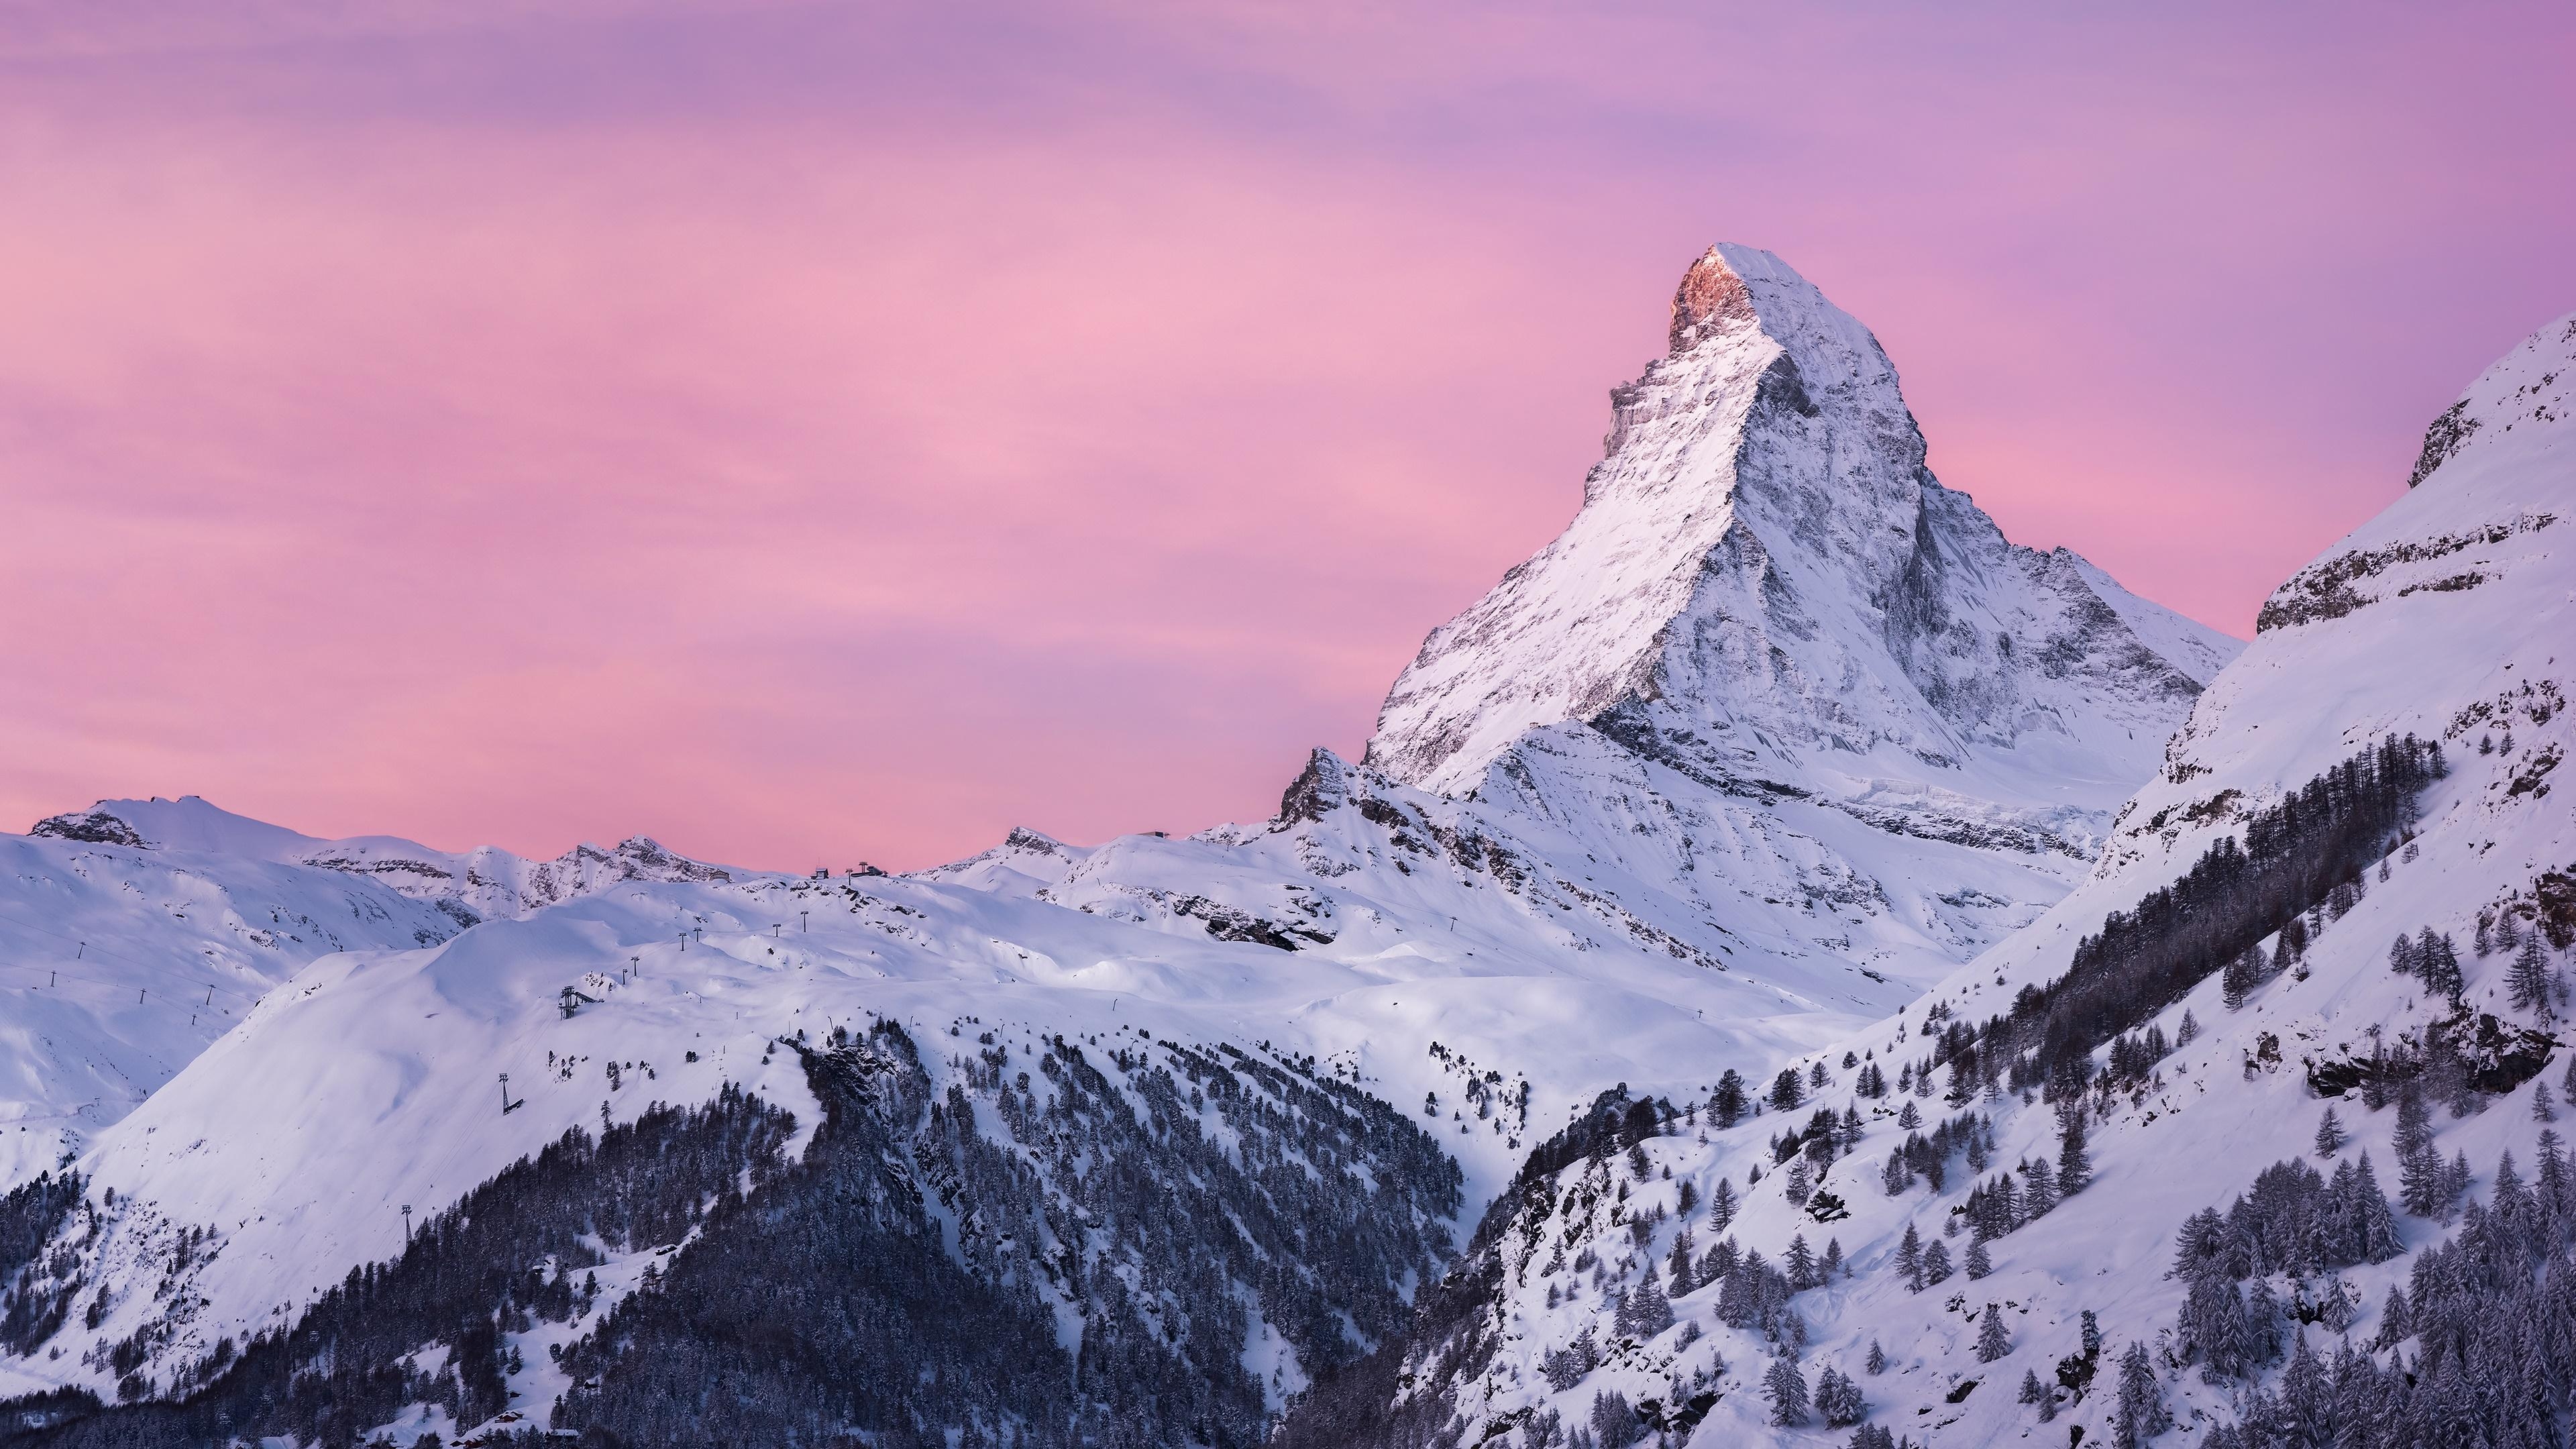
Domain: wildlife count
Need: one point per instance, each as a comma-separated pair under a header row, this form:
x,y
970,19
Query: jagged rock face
x,y
1764,572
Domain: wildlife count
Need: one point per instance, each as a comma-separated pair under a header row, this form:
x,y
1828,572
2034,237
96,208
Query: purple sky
x,y
807,433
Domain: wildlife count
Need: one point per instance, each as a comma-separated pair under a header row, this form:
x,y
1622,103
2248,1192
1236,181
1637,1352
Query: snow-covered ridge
x,y
2199,1097
476,884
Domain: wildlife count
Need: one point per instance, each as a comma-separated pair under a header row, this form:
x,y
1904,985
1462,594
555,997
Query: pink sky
x,y
807,433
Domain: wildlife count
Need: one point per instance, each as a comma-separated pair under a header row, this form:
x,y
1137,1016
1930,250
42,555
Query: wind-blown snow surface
x,y
1856,739
2452,617
136,932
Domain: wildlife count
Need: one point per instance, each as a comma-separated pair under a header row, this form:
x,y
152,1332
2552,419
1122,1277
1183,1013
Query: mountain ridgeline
x,y
1864,982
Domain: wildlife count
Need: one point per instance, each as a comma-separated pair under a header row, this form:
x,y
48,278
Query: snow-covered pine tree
x,y
2245,971
1838,1399
2330,1133
1801,1263
1614,1420
2039,1188
2401,956
2440,965
1727,1102
2074,1163
2140,1413
2035,1392
1993,1342
2527,982
1786,1388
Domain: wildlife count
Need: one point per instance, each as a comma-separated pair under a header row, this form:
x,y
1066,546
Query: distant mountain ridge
x,y
485,881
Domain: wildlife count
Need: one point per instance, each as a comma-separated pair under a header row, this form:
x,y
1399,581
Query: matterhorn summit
x,y
1765,582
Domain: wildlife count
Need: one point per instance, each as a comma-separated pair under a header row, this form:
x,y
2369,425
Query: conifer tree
x,y
2035,1392
2440,966
2244,972
1877,1361
2542,1108
1979,1264
2455,1179
2396,1318
1909,1258
2527,984
2074,1163
2423,1183
1721,1206
2140,1413
2330,1135
1936,1263
1992,1341
1838,1399
1727,1103
1801,1263
2414,1121
1786,1388
1681,1260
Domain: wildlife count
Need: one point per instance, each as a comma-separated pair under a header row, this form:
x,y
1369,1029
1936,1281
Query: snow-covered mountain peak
x,y
1733,290
1766,582
190,822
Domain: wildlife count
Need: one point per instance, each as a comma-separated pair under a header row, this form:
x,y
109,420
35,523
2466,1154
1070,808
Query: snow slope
x,y
2450,617
118,965
136,932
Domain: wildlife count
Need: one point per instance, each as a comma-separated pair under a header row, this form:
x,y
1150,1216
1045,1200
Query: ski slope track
x,y
1780,746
